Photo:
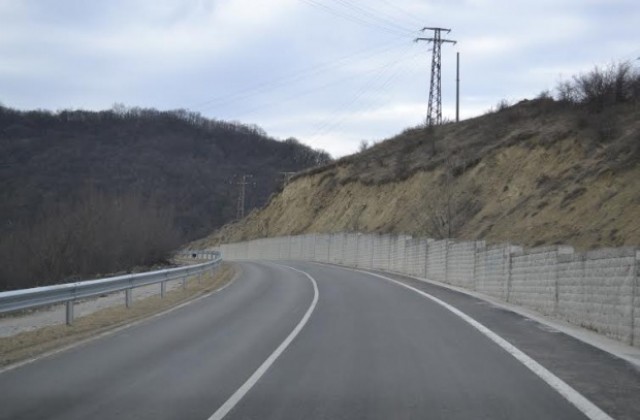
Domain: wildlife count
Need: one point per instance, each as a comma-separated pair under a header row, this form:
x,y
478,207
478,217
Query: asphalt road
x,y
370,349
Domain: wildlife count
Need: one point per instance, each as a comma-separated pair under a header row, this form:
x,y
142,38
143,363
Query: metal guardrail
x,y
68,293
199,254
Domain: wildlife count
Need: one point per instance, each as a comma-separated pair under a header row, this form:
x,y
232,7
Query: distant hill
x,y
540,172
175,158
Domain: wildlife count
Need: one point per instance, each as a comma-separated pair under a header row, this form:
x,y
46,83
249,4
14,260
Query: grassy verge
x,y
33,343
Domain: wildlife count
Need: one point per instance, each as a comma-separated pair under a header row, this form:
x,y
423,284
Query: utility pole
x,y
287,176
242,184
434,109
457,86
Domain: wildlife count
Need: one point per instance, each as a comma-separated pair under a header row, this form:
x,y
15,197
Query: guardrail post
x,y
69,312
128,297
163,289
184,283
68,293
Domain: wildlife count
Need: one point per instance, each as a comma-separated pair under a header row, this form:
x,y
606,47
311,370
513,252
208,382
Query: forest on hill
x,y
119,170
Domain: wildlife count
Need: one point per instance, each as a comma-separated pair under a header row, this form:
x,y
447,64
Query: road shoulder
x,y
610,382
24,347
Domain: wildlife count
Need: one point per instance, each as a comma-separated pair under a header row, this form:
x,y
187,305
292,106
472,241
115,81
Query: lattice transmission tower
x,y
434,109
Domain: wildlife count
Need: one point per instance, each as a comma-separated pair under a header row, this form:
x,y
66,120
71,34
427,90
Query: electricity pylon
x,y
434,109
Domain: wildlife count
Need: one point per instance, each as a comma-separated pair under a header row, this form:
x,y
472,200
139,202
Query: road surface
x,y
279,344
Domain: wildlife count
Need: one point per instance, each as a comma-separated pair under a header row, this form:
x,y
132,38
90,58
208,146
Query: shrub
x,y
602,87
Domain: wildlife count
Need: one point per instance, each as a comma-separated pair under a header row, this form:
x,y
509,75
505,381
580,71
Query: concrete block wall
x,y
322,248
415,257
263,250
393,254
492,270
437,260
235,251
336,248
306,246
401,263
599,290
534,278
636,303
365,251
295,245
461,262
256,248
382,250
608,288
570,287
285,246
376,246
351,249
272,249
396,259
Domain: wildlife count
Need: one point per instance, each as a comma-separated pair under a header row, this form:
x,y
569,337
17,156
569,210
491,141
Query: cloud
x,y
490,45
325,79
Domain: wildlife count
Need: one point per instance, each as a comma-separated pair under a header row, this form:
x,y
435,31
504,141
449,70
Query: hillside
x,y
86,194
539,172
176,158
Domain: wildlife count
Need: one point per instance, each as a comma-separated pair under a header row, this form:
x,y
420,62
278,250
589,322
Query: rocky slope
x,y
539,172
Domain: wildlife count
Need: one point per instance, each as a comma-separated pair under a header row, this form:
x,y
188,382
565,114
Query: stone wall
x,y
598,290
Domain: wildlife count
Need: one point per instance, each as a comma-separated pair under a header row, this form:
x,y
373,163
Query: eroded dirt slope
x,y
540,172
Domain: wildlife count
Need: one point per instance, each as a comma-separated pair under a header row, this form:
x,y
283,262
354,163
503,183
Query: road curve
x,y
370,350
182,365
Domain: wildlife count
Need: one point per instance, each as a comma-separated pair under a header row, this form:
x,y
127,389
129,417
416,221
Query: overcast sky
x,y
328,72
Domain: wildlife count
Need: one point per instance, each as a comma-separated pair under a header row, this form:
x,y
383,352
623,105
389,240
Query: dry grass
x,y
537,173
33,343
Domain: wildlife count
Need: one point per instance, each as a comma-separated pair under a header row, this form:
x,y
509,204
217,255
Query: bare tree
x,y
449,206
96,235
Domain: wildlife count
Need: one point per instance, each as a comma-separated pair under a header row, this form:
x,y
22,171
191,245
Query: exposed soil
x,y
537,173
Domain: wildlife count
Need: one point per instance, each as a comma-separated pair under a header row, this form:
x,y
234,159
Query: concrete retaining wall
x,y
534,278
636,303
608,287
416,257
350,250
322,248
598,290
461,263
437,260
382,252
492,270
365,251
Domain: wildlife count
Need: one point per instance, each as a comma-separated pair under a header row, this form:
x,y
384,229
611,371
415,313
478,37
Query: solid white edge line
x,y
622,351
588,408
255,377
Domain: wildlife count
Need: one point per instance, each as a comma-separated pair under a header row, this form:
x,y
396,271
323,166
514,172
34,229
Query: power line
x,y
409,16
434,108
356,19
295,76
302,93
331,124
398,17
374,15
364,109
